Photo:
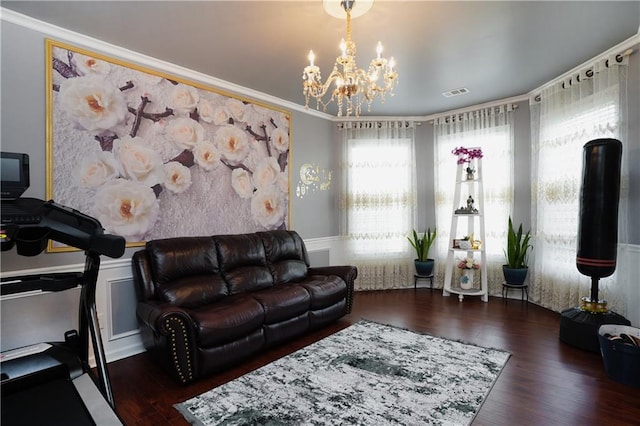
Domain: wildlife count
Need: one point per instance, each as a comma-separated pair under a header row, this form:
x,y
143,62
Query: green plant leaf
x,y
518,245
423,244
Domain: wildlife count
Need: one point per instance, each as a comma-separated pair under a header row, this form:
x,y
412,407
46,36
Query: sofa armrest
x,y
153,314
178,344
347,273
142,275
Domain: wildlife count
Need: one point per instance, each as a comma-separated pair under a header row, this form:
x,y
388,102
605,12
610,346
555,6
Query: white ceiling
x,y
495,49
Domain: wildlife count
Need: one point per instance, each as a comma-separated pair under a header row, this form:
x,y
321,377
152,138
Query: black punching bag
x,y
597,242
598,219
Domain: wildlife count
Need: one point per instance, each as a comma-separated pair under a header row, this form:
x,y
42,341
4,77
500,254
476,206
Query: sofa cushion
x,y
286,254
282,302
285,330
243,263
173,258
191,292
320,317
231,319
325,290
185,270
217,358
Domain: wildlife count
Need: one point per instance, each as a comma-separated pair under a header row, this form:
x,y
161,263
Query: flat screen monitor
x,y
14,170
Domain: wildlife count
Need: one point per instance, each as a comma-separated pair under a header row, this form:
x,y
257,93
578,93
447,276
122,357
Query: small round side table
x,y
417,277
523,287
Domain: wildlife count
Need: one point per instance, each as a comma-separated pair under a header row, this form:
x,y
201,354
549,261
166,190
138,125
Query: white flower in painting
x,y
242,183
268,207
138,161
233,144
255,117
177,178
184,98
96,169
280,140
283,183
281,120
126,208
86,65
266,173
92,103
256,127
237,109
206,155
221,116
206,111
185,132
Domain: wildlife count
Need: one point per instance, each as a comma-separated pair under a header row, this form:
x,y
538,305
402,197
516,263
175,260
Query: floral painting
x,y
152,156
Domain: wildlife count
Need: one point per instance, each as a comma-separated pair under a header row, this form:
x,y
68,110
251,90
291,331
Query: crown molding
x,y
90,43
620,48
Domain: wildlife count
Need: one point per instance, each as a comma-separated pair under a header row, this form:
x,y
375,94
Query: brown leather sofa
x,y
206,303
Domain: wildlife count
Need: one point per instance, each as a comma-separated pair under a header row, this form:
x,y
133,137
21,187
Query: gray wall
x,y
315,141
314,215
23,130
632,144
425,175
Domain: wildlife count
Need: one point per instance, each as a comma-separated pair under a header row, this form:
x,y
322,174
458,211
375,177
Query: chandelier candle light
x,y
353,86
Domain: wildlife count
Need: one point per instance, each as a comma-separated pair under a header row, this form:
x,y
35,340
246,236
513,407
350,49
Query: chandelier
x,y
353,86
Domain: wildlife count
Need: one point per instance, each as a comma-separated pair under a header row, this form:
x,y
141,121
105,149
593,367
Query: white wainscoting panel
x,y
115,303
37,316
632,283
332,244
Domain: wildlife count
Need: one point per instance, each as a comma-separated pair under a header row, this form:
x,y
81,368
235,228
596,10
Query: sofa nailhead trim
x,y
174,352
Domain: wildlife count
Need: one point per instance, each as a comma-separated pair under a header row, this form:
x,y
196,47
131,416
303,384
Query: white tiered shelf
x,y
472,222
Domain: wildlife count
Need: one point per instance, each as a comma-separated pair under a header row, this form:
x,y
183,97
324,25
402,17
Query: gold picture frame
x,y
151,155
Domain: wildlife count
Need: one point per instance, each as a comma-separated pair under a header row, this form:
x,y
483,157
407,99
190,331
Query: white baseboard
x,y
118,344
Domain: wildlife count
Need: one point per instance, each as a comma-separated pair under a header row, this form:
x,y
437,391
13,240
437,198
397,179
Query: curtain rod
x,y
619,52
406,123
589,72
499,102
495,108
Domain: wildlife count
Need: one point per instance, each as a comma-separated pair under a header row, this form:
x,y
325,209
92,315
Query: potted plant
x,y
515,271
424,265
466,155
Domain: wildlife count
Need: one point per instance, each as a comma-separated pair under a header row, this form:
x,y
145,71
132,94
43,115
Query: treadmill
x,y
52,383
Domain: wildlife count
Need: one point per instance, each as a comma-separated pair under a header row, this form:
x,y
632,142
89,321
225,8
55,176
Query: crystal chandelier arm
x,y
314,88
353,85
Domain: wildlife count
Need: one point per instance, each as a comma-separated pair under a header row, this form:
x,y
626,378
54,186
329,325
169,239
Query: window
x,y
380,189
491,130
563,121
378,201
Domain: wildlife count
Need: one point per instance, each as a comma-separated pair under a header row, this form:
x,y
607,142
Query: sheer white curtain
x,y
491,129
378,201
568,115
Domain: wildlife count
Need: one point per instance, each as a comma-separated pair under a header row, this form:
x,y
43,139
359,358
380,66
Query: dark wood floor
x,y
545,382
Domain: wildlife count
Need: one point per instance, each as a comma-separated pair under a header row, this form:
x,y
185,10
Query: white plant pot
x,y
466,279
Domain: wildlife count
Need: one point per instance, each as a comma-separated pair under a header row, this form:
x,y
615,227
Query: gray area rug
x,y
367,374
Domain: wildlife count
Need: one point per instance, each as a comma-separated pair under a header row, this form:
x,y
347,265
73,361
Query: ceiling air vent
x,y
455,92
